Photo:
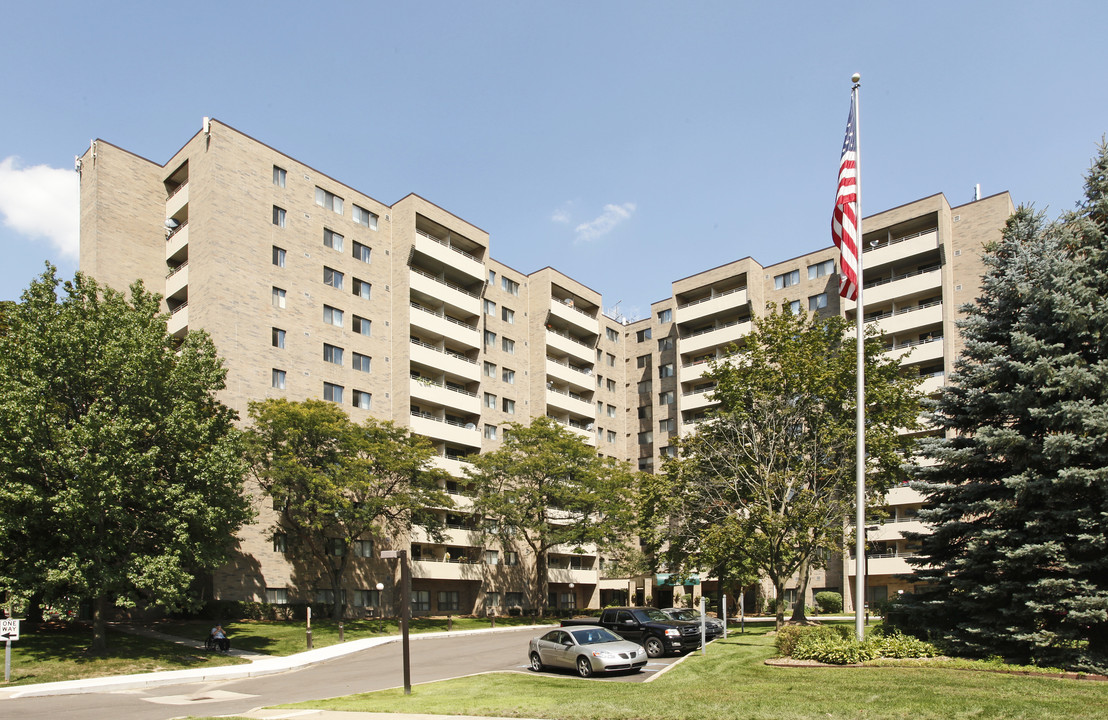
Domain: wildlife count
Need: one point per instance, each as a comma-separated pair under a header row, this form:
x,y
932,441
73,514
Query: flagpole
x,y
860,410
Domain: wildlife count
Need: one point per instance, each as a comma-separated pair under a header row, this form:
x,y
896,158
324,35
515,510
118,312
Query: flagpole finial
x,y
855,77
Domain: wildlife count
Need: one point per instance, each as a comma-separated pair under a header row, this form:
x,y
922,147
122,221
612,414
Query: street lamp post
x,y
405,609
380,609
865,569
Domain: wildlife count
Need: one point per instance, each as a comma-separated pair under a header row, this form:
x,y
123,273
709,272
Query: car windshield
x,y
653,614
684,615
593,636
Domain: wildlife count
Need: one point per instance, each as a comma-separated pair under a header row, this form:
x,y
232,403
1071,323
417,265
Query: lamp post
x,y
405,609
573,596
865,568
380,609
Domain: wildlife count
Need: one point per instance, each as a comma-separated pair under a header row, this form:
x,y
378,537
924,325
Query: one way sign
x,y
9,629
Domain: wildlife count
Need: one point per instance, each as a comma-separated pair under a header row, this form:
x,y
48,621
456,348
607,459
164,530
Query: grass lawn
x,y
733,682
58,651
286,637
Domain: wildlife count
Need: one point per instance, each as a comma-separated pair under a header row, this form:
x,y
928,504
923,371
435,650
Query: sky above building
x,y
627,144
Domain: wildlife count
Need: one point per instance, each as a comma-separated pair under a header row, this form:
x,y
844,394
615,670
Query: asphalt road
x,y
374,669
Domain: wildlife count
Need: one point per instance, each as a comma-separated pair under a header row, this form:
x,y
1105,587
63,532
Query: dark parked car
x,y
588,649
649,627
713,627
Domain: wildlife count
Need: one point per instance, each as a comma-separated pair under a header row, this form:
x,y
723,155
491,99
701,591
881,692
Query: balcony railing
x,y
435,383
563,303
725,293
705,331
174,271
446,244
179,308
576,368
896,240
901,311
443,315
697,391
176,190
894,278
174,231
447,283
567,336
914,343
444,351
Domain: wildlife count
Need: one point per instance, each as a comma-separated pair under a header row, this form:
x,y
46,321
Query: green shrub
x,y
789,636
786,639
898,645
829,602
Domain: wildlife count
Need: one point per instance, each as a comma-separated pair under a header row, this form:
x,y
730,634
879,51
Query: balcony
x,y
906,285
177,200
576,318
578,577
564,401
692,371
451,295
884,564
447,361
455,467
576,349
901,248
437,428
436,393
449,255
714,337
578,378
177,242
178,323
459,537
437,323
697,399
904,495
425,569
177,280
933,383
930,349
707,307
903,320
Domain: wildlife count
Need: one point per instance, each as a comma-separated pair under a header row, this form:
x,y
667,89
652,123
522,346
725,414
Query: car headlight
x,y
604,654
673,632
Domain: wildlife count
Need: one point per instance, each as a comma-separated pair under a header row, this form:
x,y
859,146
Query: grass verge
x,y
60,651
733,682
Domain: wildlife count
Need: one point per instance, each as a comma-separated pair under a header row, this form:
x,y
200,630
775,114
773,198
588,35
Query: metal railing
x,y
444,316
451,353
563,303
569,337
174,271
441,281
725,293
902,311
896,240
446,244
894,278
705,331
174,231
176,190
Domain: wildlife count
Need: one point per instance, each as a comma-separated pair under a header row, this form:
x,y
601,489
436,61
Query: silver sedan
x,y
588,649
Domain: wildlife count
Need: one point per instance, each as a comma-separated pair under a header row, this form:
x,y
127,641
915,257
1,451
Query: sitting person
x,y
220,637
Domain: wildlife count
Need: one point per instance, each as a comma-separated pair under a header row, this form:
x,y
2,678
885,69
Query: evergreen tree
x,y
1018,560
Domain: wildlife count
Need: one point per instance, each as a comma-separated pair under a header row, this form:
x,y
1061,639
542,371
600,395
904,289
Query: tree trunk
x,y
779,602
34,607
542,583
100,625
801,590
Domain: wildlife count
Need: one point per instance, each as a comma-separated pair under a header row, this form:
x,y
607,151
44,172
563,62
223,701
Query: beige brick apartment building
x,y
312,289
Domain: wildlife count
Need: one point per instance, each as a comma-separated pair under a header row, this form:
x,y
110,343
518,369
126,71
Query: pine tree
x,y
1018,560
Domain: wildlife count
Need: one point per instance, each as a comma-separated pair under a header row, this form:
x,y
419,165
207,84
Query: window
x,y
509,406
509,376
667,451
421,599
278,379
665,316
646,437
332,277
666,425
665,370
612,334
332,392
361,252
336,547
665,344
277,596
332,316
362,289
785,280
332,239
509,286
490,369
328,200
646,464
508,345
508,315
611,385
365,218
279,176
642,335
492,277
332,354
600,381
278,216
490,338
815,302
278,256
820,269
362,326
492,557
642,361
360,362
367,598
665,398
280,542
644,387
278,297
362,548
645,411
448,600
511,558
362,400
794,307
611,360
490,401
611,411
492,599
278,338
611,436
599,406
490,308
490,432
513,599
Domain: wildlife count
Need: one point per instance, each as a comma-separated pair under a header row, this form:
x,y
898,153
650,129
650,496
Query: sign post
x,y
9,630
405,609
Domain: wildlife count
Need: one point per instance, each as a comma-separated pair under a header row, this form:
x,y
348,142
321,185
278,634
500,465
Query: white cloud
x,y
599,227
42,202
564,214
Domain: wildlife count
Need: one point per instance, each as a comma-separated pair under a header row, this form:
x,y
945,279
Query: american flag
x,y
844,222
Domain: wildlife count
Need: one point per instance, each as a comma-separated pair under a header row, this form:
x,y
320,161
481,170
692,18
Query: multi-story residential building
x,y
312,289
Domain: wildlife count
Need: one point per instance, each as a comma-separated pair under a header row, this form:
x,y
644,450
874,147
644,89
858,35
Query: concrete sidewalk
x,y
259,665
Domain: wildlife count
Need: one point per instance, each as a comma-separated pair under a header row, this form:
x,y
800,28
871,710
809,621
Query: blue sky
x,y
582,135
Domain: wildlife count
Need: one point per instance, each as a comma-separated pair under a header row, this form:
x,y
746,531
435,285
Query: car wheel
x,y
536,662
654,647
584,667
